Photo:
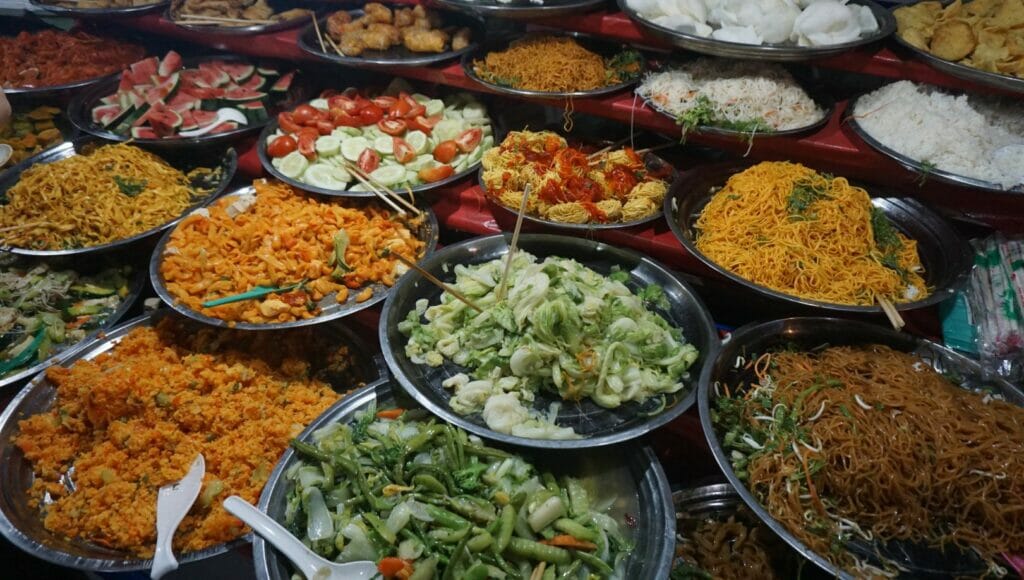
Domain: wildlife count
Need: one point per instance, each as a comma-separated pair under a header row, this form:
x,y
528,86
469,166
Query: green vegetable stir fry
x,y
424,500
41,309
563,327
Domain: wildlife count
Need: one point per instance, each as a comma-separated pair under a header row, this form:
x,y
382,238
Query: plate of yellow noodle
x,y
614,188
792,233
554,66
871,452
85,196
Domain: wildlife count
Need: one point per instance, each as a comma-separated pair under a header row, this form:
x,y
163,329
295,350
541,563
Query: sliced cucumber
x,y
358,186
447,129
417,140
412,177
420,162
385,144
341,174
293,165
486,143
352,148
420,98
319,104
345,132
328,145
474,110
434,106
460,163
389,174
478,153
322,175
452,113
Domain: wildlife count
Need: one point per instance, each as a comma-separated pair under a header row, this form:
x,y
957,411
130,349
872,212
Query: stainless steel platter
x,y
786,52
136,284
600,46
99,12
329,307
22,525
596,425
945,256
917,561
916,166
522,9
225,158
629,472
395,56
234,30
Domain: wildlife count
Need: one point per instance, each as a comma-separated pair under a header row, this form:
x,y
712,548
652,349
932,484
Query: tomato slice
x,y
403,152
369,160
306,115
446,151
385,102
432,174
287,123
344,103
425,124
282,146
392,126
307,144
370,114
469,139
401,108
342,119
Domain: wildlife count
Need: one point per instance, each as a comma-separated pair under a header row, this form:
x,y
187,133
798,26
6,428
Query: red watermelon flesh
x,y
144,133
170,64
254,83
105,114
225,127
142,70
204,118
184,101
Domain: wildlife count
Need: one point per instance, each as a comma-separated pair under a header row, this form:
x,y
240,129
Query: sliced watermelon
x,y
184,101
144,133
170,64
113,99
164,121
255,83
283,84
164,90
127,82
106,115
225,127
188,121
254,111
240,95
142,70
213,74
239,71
203,118
268,71
189,76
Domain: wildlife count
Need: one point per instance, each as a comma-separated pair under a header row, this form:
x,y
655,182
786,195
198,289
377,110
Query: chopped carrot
x,y
390,413
567,541
392,567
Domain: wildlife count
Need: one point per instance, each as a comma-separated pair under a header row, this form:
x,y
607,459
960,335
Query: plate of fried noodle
x,y
873,453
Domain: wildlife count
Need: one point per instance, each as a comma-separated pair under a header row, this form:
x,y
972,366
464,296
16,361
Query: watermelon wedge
x,y
170,64
240,72
144,133
107,115
184,101
283,84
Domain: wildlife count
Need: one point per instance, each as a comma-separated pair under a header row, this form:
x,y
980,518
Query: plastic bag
x,y
996,300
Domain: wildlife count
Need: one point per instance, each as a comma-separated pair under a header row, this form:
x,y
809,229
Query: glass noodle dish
x,y
560,327
426,500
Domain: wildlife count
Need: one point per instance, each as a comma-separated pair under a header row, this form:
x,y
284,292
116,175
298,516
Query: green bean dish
x,y
425,500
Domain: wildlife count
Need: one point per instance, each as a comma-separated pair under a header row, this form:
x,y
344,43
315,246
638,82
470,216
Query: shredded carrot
x,y
390,413
567,541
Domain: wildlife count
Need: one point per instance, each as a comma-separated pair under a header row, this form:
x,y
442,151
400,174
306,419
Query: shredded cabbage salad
x,y
562,328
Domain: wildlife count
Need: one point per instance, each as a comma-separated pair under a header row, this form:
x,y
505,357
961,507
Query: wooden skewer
x,y
354,169
655,148
28,225
219,19
602,151
891,313
333,44
500,294
319,36
433,279
384,197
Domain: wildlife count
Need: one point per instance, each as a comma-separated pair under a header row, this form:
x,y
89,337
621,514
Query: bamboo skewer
x,y
28,225
597,154
319,35
383,196
891,313
500,294
220,19
647,150
433,279
359,173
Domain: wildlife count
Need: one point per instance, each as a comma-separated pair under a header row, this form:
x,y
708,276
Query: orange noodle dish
x,y
567,186
309,247
134,418
863,444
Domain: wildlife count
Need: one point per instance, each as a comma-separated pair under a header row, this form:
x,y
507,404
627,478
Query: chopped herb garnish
x,y
130,187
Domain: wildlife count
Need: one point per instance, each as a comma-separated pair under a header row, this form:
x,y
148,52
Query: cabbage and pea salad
x,y
562,327
425,500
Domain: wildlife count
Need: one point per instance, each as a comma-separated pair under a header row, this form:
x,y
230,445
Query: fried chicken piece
x,y
337,22
377,13
258,11
393,35
376,39
351,43
419,40
461,38
293,14
404,17
426,19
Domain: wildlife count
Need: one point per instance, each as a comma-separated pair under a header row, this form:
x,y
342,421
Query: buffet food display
x,y
512,417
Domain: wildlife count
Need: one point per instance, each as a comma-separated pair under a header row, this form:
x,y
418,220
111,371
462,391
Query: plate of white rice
x,y
749,99
962,139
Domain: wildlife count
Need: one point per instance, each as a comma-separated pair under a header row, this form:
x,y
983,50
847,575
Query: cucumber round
x,y
418,141
420,98
352,148
322,175
474,110
346,132
389,174
447,129
319,104
341,174
434,106
293,165
328,145
385,145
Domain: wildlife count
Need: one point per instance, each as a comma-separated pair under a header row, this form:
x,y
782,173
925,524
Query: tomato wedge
x,y
307,144
392,567
342,119
370,114
369,160
404,152
401,108
446,151
287,123
432,174
426,124
385,102
469,139
306,115
344,103
282,146
324,127
392,126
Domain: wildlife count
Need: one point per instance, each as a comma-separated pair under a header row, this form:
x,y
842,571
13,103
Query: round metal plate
x,y
80,113
235,30
62,351
521,9
22,525
629,473
945,256
329,308
787,52
395,56
596,425
594,44
919,561
99,12
915,165
227,161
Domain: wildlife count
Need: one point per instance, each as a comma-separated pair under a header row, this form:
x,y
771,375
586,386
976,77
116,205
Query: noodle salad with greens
x,y
425,500
562,327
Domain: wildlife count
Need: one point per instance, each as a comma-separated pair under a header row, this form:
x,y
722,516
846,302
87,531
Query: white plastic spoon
x,y
5,153
225,114
312,565
172,503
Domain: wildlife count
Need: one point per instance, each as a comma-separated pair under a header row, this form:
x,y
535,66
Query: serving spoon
x,y
5,153
172,503
225,114
311,564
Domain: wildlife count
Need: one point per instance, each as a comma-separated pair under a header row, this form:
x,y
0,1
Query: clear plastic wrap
x,y
996,300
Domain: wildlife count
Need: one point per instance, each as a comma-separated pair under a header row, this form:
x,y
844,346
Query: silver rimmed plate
x,y
597,426
809,333
223,158
600,46
22,525
233,30
788,52
330,309
629,474
522,9
944,254
395,56
112,12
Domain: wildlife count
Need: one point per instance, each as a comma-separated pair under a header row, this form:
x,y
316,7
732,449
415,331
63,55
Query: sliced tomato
x,y
344,103
392,126
401,108
426,124
392,567
342,119
287,123
469,139
324,127
306,115
446,151
385,102
282,146
432,174
370,114
403,152
369,160
307,144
